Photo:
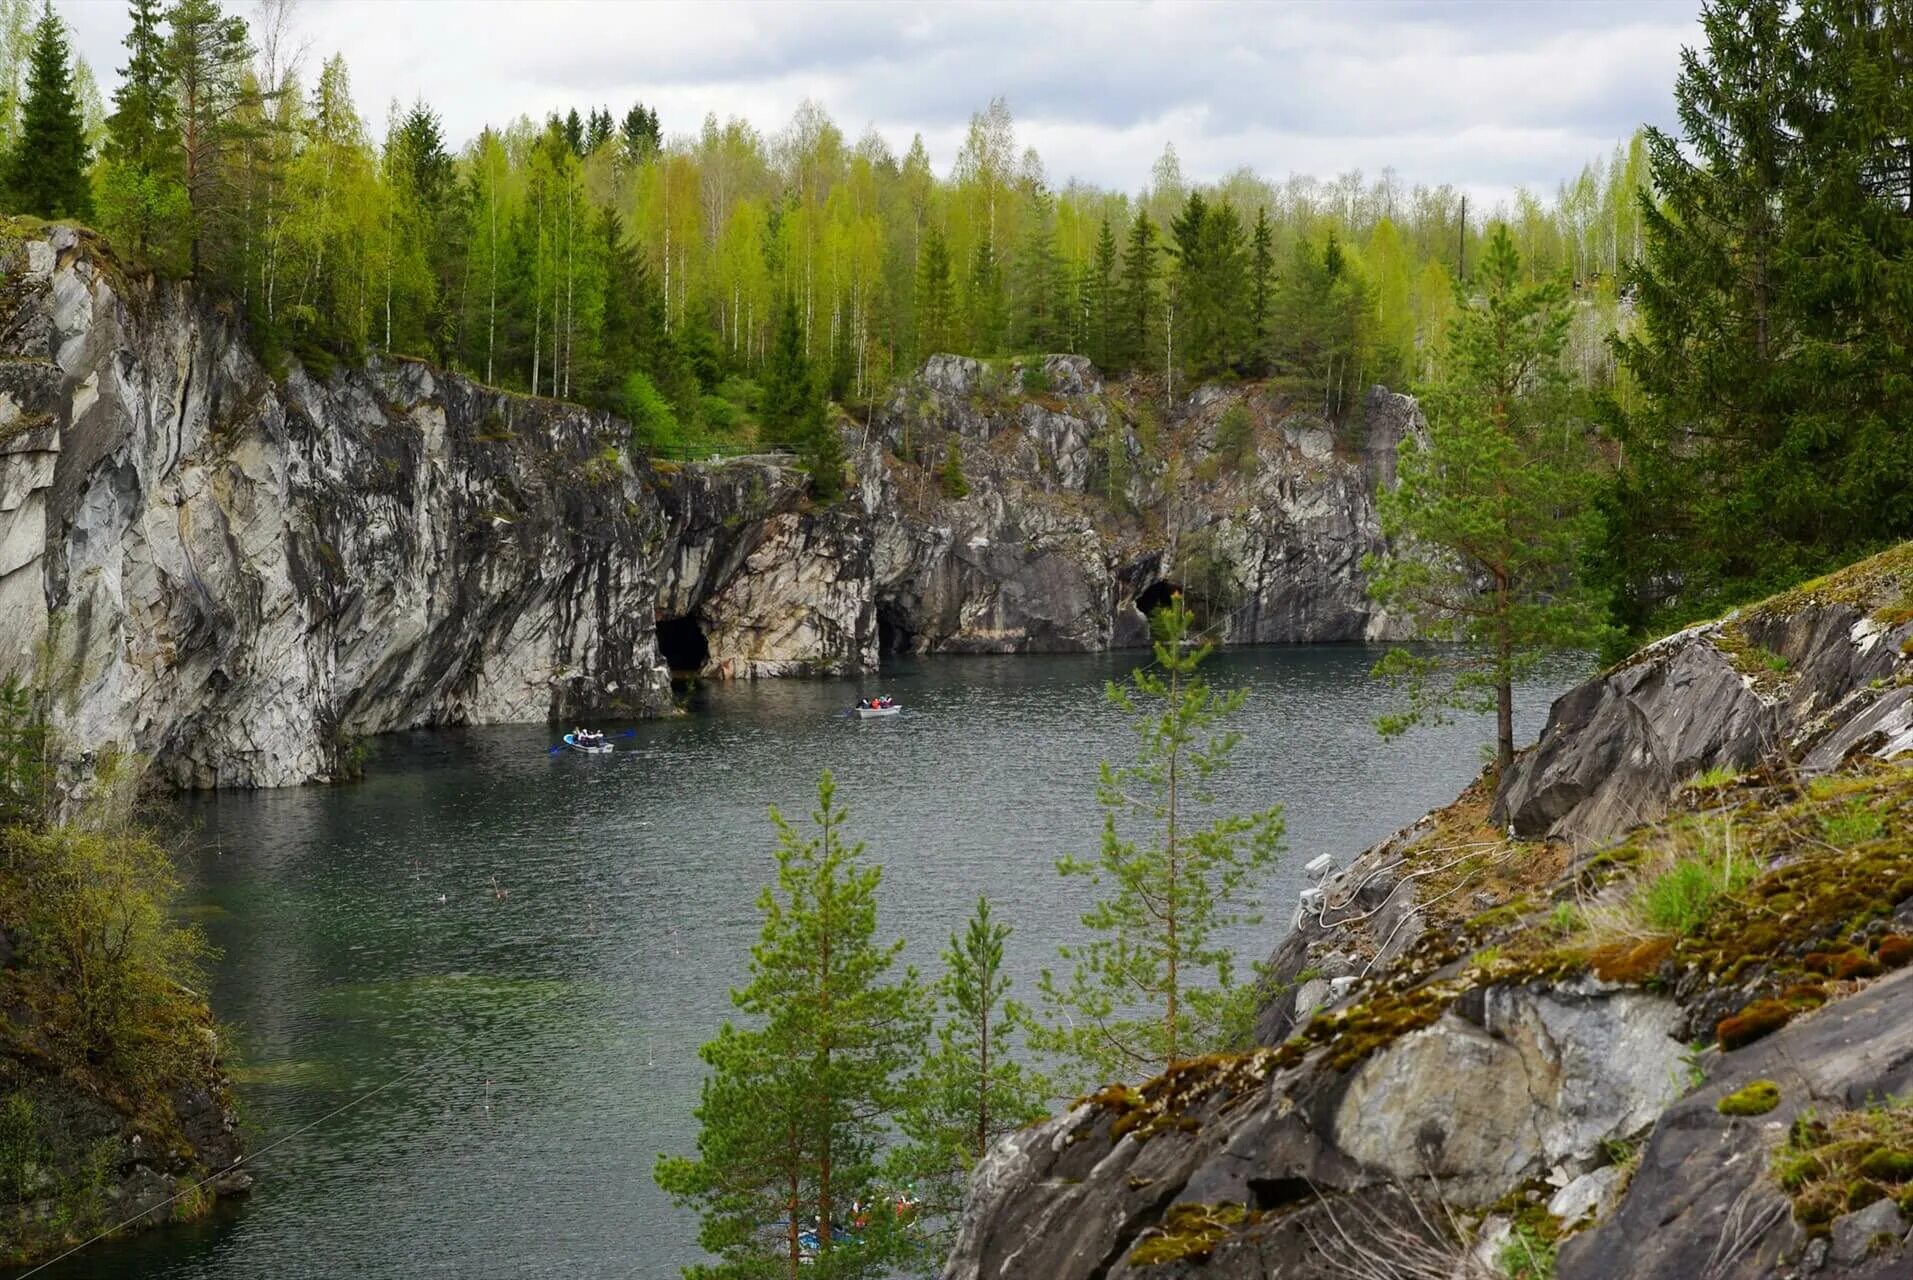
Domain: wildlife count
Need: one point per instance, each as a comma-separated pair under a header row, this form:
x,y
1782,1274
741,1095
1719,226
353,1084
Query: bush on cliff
x,y
104,1021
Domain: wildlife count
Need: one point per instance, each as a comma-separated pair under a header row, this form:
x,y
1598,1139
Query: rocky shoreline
x,y
1487,1034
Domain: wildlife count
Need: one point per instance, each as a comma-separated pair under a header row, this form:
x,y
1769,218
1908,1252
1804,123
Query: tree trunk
x,y
1504,684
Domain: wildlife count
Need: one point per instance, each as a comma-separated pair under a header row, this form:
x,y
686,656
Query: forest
x,y
1737,298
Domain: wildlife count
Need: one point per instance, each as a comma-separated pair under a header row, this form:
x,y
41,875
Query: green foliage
x,y
1491,519
654,424
1852,825
950,479
1684,897
792,1115
1154,984
1034,378
1212,308
1235,436
969,1091
46,169
1769,440
1527,1254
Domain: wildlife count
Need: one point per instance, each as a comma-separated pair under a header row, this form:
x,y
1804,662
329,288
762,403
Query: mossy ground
x,y
1846,1161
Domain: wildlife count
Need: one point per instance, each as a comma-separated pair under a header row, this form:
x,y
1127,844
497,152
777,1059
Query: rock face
x,y
1808,671
1050,550
238,576
1466,1033
1701,1203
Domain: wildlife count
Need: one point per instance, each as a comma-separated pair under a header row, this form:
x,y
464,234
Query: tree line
x,y
561,256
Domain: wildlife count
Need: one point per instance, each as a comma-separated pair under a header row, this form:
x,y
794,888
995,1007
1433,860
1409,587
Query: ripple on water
x,y
533,945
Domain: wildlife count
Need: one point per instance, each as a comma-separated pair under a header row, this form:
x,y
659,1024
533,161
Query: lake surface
x,y
525,950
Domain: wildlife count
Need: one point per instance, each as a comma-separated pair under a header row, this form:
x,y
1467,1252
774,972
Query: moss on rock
x,y
1756,1098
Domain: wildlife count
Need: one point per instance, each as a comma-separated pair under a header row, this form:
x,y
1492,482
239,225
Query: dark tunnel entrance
x,y
894,635
682,645
1156,596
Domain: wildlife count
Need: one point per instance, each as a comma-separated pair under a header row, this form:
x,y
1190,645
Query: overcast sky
x,y
1485,95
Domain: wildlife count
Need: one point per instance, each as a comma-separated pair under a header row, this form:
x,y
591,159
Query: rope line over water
x,y
337,1111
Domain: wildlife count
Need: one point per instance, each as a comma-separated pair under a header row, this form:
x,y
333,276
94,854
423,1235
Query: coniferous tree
x,y
936,304
1100,285
1492,518
46,173
970,1090
1140,309
986,299
1261,288
1770,437
1155,983
791,1117
1040,282
142,202
206,52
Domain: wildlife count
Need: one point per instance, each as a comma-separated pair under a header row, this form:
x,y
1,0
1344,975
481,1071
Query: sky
x,y
1488,95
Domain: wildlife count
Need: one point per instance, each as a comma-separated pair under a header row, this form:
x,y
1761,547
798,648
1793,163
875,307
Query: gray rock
x,y
1857,1235
1589,1196
1616,748
1700,1201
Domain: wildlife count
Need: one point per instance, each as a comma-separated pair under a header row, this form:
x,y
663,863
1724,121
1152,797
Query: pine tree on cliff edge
x,y
1492,517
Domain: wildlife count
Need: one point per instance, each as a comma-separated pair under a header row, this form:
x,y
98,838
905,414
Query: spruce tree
x,y
1040,281
791,1117
142,203
1769,440
1261,289
1101,287
1489,523
1155,982
936,307
986,299
1140,312
46,174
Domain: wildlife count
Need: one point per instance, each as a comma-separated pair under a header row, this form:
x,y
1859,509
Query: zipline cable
x,y
252,1155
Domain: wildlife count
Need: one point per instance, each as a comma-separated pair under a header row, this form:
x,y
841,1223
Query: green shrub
x,y
719,414
1235,434
1035,378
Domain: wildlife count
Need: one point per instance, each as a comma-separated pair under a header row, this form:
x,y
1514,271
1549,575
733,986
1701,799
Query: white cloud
x,y
1487,96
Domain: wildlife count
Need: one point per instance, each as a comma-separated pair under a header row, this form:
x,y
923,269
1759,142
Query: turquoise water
x,y
522,951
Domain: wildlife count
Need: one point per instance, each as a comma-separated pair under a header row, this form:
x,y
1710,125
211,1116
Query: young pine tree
x,y
46,174
969,1091
791,1117
1154,983
950,478
1493,516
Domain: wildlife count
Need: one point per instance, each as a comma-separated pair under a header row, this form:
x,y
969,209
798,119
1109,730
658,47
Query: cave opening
x,y
894,635
1156,595
682,645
